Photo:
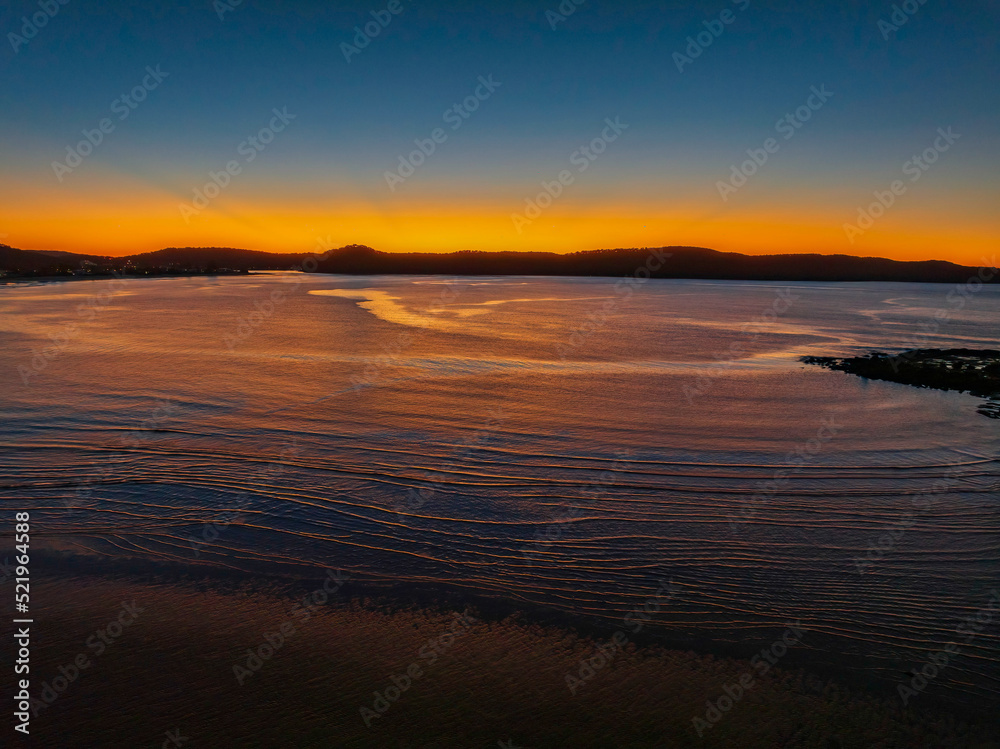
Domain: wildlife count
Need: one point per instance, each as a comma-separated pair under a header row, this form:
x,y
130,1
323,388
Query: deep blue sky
x,y
607,59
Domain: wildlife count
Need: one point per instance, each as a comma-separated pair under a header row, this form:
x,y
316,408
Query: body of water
x,y
551,443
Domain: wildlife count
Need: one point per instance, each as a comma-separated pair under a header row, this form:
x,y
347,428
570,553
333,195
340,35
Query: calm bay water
x,y
546,442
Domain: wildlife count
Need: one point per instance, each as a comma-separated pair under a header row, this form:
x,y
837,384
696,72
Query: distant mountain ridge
x,y
13,260
663,262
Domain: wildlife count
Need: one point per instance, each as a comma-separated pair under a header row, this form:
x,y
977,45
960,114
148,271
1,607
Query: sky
x,y
740,125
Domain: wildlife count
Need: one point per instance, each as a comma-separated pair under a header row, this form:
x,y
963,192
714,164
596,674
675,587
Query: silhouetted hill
x,y
221,257
169,261
13,260
666,262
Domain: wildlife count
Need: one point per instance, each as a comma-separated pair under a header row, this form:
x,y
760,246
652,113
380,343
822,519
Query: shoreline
x,y
664,629
14,281
337,657
29,280
972,371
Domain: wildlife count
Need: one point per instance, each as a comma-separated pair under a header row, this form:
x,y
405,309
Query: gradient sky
x,y
321,182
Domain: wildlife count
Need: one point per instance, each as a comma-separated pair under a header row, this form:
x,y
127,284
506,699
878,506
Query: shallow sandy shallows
x,y
171,668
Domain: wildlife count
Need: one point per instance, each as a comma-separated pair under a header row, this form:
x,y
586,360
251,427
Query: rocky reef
x,y
973,371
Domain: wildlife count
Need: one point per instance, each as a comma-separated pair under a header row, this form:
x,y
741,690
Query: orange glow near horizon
x,y
143,219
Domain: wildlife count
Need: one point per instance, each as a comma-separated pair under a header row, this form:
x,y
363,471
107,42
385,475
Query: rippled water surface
x,y
542,441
